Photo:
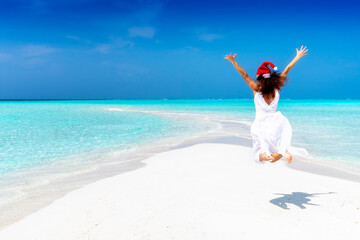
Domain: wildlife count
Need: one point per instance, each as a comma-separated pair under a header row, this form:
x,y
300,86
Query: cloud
x,y
192,49
72,37
78,39
34,50
34,62
203,34
209,37
106,48
144,32
5,57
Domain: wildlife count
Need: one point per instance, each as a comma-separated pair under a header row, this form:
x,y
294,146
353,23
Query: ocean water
x,y
329,130
37,133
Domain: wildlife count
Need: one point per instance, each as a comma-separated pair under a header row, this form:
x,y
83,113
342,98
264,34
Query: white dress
x,y
271,131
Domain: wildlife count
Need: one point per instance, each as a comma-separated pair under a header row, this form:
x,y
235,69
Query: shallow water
x,y
35,133
328,129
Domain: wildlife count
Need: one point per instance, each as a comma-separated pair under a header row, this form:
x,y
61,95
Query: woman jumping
x,y
271,131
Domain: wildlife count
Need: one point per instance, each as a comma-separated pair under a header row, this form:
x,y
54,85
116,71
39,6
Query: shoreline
x,y
182,193
230,133
72,178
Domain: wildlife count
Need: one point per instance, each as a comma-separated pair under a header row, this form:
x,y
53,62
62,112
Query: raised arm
x,y
242,72
299,54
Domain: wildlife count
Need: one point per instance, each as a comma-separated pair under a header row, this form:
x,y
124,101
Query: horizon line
x,y
157,99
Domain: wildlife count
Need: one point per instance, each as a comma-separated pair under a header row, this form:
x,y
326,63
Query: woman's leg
x,y
260,145
288,156
285,139
261,154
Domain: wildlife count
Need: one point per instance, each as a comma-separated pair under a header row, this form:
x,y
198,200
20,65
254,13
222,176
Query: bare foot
x,y
264,157
288,156
277,156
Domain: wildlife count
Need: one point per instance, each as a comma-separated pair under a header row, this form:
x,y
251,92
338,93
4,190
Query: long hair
x,y
267,86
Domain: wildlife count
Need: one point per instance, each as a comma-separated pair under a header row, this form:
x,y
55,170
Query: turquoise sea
x,y
40,133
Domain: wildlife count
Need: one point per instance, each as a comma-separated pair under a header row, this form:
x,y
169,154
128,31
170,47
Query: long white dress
x,y
271,131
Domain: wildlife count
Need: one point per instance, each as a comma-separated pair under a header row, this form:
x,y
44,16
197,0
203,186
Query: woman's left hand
x,y
302,52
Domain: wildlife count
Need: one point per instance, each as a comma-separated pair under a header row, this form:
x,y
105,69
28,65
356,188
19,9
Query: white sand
x,y
206,191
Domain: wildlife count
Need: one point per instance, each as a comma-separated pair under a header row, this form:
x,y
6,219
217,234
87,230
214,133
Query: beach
x,y
173,170
202,191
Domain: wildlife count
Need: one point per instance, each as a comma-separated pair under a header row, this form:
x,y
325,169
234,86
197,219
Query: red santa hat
x,y
264,70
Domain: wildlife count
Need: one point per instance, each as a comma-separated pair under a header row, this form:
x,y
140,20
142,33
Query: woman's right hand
x,y
230,57
302,52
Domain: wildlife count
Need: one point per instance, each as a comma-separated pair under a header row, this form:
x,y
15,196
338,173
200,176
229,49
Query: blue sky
x,y
90,49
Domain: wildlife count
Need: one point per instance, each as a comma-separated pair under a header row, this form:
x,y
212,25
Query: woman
x,y
271,131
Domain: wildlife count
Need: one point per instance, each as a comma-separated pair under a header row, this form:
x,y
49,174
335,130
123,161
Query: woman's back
x,y
263,107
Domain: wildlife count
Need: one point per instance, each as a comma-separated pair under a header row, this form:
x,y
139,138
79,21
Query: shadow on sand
x,y
299,199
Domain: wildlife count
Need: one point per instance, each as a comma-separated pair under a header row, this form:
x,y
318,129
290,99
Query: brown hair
x,y
267,86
